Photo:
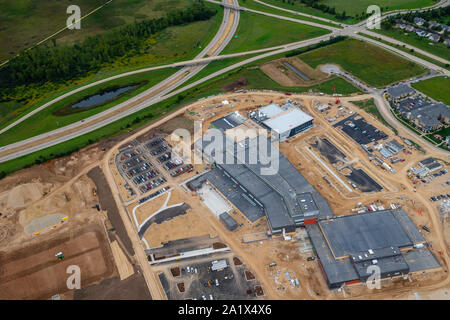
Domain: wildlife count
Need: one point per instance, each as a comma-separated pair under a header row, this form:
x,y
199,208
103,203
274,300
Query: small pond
x,y
102,97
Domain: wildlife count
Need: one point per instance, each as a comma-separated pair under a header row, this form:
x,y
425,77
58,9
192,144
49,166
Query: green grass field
x,y
45,120
374,65
436,88
351,7
251,4
25,22
414,53
439,49
257,31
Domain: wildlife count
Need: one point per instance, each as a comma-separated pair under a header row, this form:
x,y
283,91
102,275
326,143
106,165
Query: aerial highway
x,y
165,89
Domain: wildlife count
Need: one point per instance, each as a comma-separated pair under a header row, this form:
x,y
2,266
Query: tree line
x,y
59,63
316,4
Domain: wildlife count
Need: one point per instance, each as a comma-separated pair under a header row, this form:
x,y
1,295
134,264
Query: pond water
x,y
100,98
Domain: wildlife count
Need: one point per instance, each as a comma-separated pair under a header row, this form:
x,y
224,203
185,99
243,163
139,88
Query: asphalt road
x,y
164,89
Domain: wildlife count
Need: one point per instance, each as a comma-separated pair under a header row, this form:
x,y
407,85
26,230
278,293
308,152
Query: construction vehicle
x,y
335,94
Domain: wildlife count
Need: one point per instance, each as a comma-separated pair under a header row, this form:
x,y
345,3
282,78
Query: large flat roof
x,y
356,233
361,242
287,120
286,195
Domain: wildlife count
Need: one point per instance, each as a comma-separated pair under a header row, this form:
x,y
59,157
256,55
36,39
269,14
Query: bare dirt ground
x,y
34,272
186,226
281,74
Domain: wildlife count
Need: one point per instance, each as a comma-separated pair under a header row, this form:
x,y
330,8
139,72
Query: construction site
x,y
158,224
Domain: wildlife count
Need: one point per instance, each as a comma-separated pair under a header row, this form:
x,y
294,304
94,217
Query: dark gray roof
x,y
429,114
361,232
400,90
234,194
335,271
434,165
427,161
229,222
384,252
281,192
230,121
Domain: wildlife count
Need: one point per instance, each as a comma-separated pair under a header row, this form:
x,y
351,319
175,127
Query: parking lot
x,y
360,130
142,163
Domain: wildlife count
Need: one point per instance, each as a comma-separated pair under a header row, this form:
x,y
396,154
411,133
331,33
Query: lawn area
x,y
45,120
354,8
25,22
439,49
426,58
436,88
370,107
251,4
300,7
374,65
256,80
257,31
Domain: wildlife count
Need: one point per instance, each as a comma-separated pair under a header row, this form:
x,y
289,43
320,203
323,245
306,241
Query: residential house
x,y
410,28
419,21
445,28
433,24
422,33
400,92
434,37
430,117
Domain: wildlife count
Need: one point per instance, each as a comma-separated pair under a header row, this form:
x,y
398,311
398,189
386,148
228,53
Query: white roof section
x,y
288,120
271,110
219,264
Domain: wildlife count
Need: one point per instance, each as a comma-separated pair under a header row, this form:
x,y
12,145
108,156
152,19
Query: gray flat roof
x,y
364,231
234,194
281,192
400,90
230,121
335,271
230,223
426,161
389,258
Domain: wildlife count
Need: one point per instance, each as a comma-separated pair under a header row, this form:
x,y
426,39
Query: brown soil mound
x,y
236,85
236,261
175,271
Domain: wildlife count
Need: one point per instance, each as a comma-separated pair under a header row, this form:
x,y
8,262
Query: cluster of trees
x,y
316,4
59,63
